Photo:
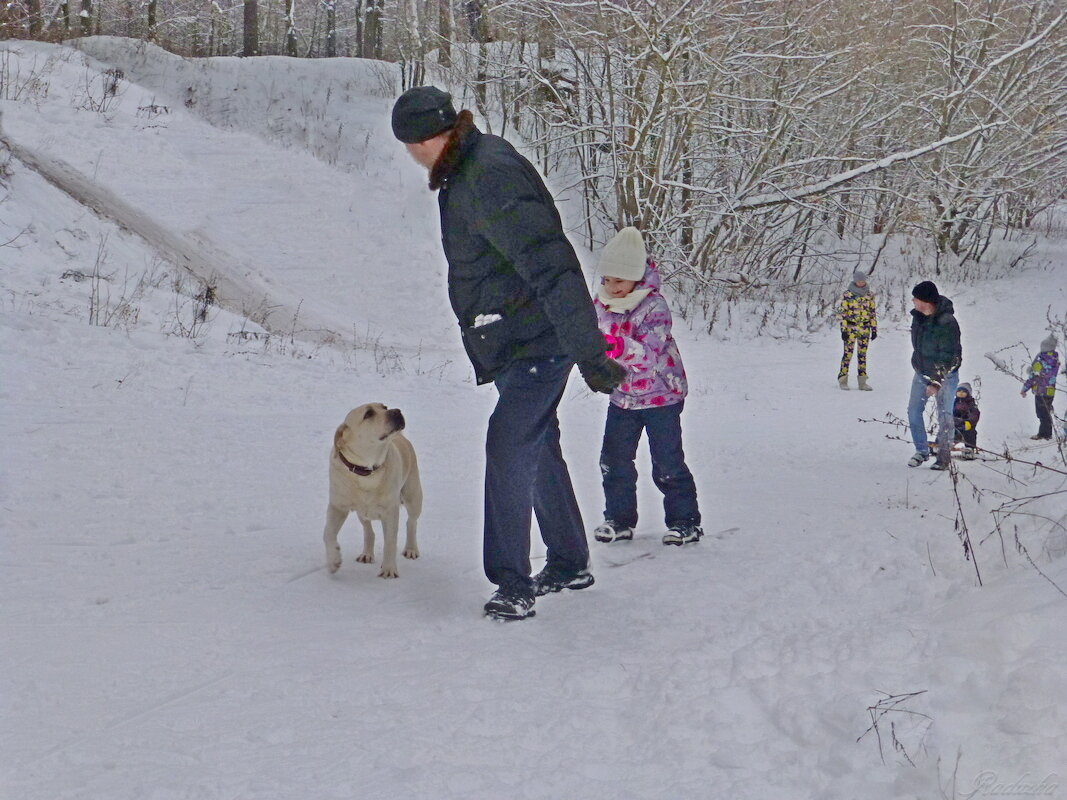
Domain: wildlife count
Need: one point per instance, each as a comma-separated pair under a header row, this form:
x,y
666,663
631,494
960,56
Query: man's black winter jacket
x,y
507,255
935,342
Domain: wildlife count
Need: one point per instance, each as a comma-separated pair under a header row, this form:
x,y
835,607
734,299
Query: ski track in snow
x,y
171,633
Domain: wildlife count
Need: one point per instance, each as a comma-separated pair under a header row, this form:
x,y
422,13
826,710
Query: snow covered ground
x,y
170,632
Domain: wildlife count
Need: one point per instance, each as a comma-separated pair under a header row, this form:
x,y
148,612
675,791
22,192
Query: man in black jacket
x,y
526,318
936,357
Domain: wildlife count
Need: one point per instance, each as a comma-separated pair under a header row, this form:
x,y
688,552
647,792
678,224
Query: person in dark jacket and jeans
x,y
936,358
525,317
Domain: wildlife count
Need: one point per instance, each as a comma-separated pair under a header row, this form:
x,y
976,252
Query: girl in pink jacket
x,y
636,323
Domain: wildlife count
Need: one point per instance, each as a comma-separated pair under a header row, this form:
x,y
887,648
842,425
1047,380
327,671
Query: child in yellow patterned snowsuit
x,y
859,327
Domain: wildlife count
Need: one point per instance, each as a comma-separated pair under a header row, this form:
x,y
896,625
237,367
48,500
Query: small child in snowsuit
x,y
636,323
1042,380
859,327
965,412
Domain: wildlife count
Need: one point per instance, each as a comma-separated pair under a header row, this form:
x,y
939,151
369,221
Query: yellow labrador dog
x,y
373,472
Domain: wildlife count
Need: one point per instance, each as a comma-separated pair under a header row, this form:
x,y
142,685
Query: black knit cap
x,y
925,291
421,113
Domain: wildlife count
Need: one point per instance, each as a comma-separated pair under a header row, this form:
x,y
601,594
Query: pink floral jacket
x,y
640,339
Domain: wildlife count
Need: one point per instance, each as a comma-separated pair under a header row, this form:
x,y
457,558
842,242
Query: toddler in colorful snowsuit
x,y
859,327
965,413
636,323
1042,380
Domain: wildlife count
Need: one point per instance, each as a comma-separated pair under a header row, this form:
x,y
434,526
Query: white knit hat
x,y
1049,343
624,256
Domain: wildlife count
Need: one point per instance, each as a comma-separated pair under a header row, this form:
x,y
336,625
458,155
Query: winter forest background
x,y
761,144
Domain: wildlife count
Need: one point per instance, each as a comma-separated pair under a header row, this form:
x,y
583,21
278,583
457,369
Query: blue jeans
x,y
622,433
524,472
945,398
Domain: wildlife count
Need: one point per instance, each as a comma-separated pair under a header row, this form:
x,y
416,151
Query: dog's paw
x,y
388,572
365,558
333,565
411,552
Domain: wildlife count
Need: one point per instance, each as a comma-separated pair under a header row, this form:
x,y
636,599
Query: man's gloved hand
x,y
874,334
601,373
844,335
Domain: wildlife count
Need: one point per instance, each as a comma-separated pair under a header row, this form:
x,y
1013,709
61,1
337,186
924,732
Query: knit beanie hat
x,y
965,387
1048,343
858,277
925,291
421,113
624,256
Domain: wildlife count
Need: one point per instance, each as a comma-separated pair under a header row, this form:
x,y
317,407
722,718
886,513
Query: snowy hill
x,y
169,627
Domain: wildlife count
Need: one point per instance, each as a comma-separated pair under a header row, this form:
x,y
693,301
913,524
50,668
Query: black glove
x,y
874,334
844,335
602,374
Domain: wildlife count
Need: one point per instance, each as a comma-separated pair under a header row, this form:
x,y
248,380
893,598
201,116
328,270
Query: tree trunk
x,y
477,21
34,21
290,28
331,29
546,41
251,25
444,32
359,29
87,17
372,33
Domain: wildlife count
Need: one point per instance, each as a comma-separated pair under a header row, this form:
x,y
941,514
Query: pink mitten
x,y
614,345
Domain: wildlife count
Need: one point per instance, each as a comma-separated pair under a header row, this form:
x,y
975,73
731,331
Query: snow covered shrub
x,y
19,84
108,310
102,90
386,78
899,730
190,316
5,164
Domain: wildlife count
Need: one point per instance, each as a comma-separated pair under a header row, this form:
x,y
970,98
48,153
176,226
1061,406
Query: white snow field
x,y
169,630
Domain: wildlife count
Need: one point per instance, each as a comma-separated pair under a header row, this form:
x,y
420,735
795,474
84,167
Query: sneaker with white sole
x,y
554,579
683,533
508,603
917,459
611,531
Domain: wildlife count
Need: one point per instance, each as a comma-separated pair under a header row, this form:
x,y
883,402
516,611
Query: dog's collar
x,y
355,469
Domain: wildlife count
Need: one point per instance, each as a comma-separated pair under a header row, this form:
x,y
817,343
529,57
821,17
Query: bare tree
x,y
757,144
290,28
251,28
331,28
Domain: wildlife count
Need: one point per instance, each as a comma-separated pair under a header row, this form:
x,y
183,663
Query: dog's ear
x,y
339,434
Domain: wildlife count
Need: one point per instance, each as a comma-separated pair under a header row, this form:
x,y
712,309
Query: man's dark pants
x,y
524,472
